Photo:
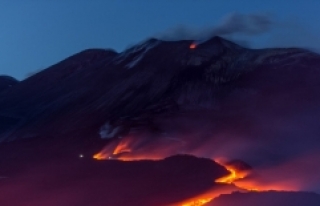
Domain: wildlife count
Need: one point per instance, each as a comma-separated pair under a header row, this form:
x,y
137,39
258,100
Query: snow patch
x,y
136,53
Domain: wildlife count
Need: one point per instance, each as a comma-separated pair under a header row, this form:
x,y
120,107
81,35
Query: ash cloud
x,y
235,23
259,30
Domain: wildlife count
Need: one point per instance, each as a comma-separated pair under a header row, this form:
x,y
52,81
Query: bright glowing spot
x,y
198,202
193,46
81,155
99,156
229,178
233,176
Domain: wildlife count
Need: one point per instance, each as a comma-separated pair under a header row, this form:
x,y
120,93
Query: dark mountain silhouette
x,y
7,82
120,91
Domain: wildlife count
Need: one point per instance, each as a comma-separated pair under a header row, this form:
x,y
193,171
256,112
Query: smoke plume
x,y
258,30
247,24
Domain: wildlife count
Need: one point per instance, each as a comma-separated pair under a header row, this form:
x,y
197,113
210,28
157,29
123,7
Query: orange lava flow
x,y
122,148
198,202
193,46
238,179
99,156
234,175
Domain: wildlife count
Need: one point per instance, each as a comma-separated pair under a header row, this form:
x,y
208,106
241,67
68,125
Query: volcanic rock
x,y
267,198
128,90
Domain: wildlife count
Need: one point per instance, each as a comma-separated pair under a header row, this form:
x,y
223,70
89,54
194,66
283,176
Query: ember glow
x,y
131,148
229,178
198,202
193,46
234,175
99,156
208,196
123,147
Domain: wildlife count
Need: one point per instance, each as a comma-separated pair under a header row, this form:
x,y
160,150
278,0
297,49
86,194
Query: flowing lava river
x,y
124,150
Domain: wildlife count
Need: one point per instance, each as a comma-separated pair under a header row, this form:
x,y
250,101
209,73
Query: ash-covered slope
x,y
101,90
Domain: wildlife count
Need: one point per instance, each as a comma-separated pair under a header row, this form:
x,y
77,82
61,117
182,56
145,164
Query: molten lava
x,y
132,148
240,178
99,156
123,147
198,202
193,46
233,176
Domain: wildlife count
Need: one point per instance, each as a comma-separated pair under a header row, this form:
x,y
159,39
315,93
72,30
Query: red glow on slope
x,y
198,202
208,196
132,149
99,156
193,46
234,175
123,146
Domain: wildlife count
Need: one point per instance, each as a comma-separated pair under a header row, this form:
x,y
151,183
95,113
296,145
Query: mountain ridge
x,y
96,87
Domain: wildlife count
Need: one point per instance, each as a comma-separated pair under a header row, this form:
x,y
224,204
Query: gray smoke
x,y
258,30
232,24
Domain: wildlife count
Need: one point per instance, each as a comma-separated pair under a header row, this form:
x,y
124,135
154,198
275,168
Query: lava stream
x,y
238,179
198,202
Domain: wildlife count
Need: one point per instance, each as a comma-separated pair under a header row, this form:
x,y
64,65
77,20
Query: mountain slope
x,y
100,87
7,82
267,198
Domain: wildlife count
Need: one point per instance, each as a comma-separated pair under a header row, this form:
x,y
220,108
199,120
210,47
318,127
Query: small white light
x,y
81,155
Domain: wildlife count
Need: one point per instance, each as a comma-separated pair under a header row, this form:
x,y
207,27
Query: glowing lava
x,y
233,176
123,147
131,148
241,177
115,150
99,156
198,202
193,46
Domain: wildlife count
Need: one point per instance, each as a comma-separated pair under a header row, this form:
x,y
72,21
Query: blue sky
x,y
35,34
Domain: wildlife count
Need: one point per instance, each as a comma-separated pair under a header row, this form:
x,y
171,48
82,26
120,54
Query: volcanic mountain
x,y
101,90
210,98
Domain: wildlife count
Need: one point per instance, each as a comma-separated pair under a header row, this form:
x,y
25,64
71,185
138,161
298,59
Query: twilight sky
x,y
35,34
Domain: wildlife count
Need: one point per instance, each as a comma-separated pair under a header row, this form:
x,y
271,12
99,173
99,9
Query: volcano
x,y
212,99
